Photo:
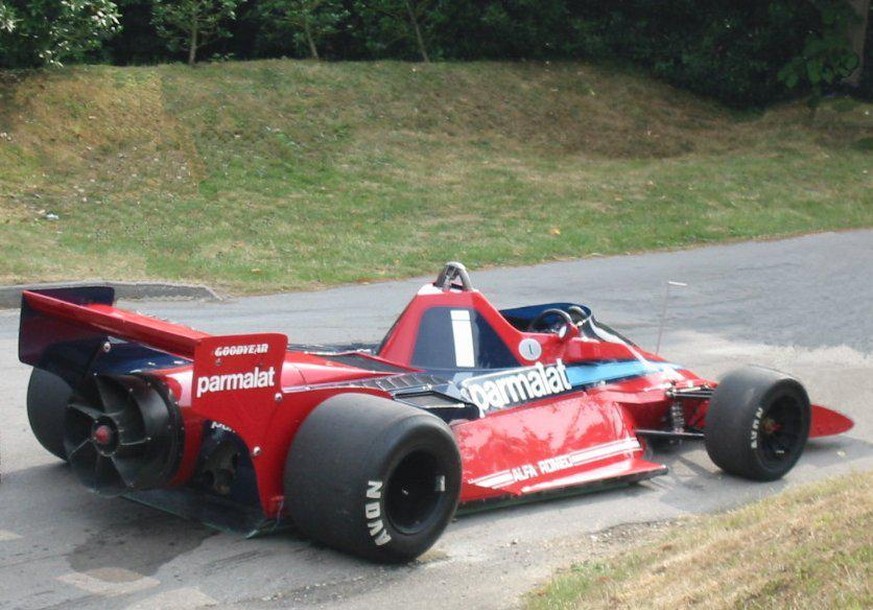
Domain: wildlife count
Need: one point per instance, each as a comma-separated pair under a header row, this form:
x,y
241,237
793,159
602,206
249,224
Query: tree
x,y
827,57
190,25
398,19
36,33
857,37
312,20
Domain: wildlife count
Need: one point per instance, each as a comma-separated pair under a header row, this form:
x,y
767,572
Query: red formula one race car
x,y
371,451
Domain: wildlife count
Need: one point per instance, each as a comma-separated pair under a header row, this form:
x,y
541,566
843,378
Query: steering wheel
x,y
545,315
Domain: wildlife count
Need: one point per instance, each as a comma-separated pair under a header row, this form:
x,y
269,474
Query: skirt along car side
x,y
372,451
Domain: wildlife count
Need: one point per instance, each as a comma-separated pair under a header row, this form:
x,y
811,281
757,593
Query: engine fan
x,y
123,433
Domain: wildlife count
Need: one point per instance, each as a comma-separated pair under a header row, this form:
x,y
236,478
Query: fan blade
x,y
114,396
128,469
77,454
107,480
86,410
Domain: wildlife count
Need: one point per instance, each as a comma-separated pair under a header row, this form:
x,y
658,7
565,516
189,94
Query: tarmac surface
x,y
10,296
802,305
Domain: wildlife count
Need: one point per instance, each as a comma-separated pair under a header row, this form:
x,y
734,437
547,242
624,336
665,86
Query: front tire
x,y
757,423
372,477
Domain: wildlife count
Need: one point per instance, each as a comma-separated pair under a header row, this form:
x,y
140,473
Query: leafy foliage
x,y
398,25
744,52
731,51
192,24
827,55
310,20
7,18
45,32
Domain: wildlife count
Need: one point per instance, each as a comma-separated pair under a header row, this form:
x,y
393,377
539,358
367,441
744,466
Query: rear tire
x,y
372,477
757,423
47,398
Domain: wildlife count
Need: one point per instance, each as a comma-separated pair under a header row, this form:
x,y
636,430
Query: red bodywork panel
x,y
547,445
549,421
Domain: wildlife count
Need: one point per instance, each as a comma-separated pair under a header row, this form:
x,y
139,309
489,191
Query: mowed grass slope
x,y
809,548
277,175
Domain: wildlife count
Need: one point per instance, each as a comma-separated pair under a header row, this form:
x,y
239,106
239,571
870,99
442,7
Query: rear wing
x,y
64,330
70,332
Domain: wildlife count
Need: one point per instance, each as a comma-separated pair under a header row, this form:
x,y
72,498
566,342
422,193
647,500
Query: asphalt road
x,y
801,305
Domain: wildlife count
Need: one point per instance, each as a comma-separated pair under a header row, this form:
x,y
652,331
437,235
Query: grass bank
x,y
811,548
279,175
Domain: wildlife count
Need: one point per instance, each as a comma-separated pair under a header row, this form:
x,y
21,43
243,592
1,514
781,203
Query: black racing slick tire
x,y
757,423
372,477
47,398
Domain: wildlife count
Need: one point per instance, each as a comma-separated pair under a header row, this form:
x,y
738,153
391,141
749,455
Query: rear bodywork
x,y
535,405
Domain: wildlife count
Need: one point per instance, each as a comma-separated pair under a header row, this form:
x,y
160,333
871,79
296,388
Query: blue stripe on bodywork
x,y
581,375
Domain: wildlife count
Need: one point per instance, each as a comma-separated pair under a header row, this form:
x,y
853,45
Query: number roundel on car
x,y
530,349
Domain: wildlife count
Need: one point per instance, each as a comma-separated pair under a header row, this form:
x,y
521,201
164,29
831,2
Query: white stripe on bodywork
x,y
505,478
601,452
462,333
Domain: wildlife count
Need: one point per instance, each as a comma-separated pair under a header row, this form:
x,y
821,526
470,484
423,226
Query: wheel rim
x,y
414,493
780,432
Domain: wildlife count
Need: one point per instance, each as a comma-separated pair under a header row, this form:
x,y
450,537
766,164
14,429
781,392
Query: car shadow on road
x,y
47,505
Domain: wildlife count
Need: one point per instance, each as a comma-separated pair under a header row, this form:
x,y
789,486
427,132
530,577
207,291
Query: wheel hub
x,y
770,426
103,436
